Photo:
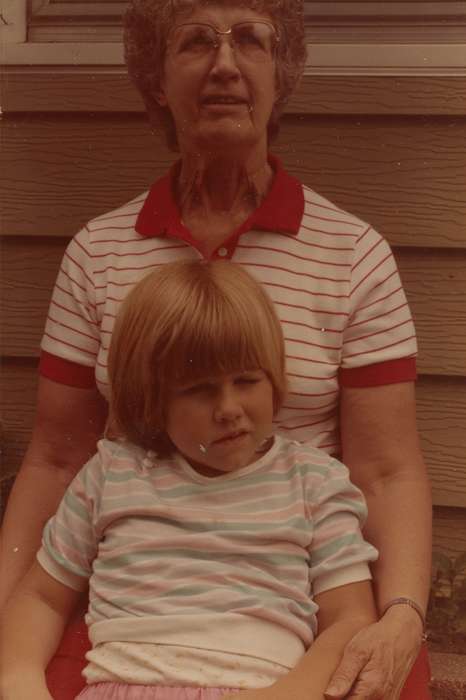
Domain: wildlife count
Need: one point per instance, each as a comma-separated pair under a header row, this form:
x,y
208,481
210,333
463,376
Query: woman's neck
x,y
222,186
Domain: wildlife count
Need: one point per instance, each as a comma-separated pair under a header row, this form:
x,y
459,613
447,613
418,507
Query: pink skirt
x,y
120,691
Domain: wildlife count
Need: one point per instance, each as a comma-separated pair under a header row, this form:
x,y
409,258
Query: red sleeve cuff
x,y
390,372
66,372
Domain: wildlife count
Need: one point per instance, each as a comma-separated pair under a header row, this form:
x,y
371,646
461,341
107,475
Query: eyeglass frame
x,y
219,32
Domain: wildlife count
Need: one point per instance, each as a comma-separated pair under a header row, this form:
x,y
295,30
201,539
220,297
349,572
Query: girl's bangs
x,y
217,344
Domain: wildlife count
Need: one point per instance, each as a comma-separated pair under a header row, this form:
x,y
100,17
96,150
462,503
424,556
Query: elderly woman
x,y
216,76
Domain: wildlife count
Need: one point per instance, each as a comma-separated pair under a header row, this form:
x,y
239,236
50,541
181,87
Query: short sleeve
x,y
338,553
72,329
70,538
380,328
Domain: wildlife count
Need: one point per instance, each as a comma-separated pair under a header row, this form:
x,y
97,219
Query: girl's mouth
x,y
230,437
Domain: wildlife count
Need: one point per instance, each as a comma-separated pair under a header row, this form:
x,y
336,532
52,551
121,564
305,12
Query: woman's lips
x,y
223,99
223,104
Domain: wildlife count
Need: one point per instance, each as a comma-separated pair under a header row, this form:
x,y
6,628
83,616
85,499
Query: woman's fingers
x,y
376,662
375,682
365,670
354,660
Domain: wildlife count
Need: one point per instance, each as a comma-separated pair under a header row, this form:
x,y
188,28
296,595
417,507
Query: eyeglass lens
x,y
254,40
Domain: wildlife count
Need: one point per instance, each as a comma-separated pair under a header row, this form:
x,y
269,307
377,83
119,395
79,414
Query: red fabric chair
x,y
64,673
418,682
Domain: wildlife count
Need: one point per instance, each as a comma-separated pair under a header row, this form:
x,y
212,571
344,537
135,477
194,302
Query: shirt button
x,y
223,252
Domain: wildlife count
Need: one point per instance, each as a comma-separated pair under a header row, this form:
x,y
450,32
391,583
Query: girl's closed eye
x,y
199,388
247,379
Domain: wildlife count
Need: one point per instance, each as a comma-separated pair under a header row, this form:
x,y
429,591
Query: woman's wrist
x,y
406,602
405,615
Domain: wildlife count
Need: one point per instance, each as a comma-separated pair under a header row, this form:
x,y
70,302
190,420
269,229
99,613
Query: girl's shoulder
x,y
309,460
121,455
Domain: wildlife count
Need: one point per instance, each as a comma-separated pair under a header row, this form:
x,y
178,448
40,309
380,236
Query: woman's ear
x,y
160,97
159,91
278,86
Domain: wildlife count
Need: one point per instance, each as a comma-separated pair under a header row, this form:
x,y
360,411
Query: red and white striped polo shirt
x,y
332,278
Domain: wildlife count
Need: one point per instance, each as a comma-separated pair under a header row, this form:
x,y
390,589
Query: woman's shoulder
x,y
318,205
327,218
115,226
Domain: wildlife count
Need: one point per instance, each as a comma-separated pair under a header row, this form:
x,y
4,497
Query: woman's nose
x,y
224,64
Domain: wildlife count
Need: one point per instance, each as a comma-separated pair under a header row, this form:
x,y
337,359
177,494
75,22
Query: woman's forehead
x,y
220,13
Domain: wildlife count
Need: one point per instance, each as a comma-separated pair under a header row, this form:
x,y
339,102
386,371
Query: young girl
x,y
214,550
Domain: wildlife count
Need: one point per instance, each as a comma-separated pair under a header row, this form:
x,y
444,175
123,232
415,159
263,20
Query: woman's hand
x,y
377,661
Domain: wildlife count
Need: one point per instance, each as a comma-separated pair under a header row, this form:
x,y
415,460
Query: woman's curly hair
x,y
146,27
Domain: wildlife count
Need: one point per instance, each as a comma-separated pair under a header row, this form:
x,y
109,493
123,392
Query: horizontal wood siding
x,y
392,150
61,89
406,175
435,284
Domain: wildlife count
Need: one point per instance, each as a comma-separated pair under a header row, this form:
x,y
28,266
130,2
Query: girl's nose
x,y
228,407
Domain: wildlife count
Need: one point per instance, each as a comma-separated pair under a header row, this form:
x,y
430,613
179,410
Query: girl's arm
x,y
32,625
343,611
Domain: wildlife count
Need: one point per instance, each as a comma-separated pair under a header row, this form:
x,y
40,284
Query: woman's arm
x,y
68,423
32,625
381,448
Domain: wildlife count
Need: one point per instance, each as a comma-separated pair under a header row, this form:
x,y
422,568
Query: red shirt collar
x,y
281,211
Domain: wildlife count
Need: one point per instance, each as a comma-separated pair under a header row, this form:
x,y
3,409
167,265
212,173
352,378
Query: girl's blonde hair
x,y
184,321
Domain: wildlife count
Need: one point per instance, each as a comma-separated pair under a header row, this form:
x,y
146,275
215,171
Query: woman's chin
x,y
226,134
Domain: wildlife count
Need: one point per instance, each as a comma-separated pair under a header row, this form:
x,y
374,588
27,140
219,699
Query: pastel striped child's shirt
x,y
186,571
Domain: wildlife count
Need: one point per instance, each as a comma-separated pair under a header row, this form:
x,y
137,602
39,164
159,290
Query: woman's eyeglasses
x,y
253,40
